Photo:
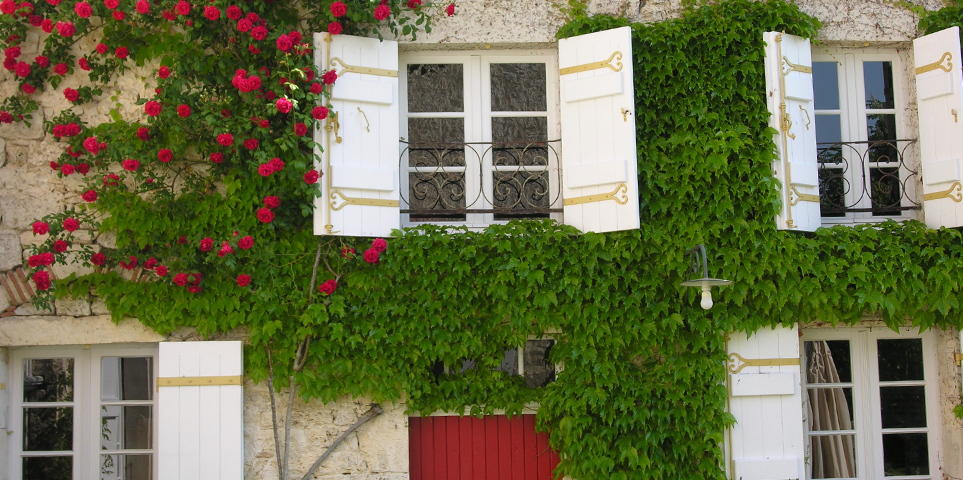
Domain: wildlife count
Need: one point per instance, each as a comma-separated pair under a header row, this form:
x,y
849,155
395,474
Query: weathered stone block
x,y
28,309
10,251
98,307
20,130
74,307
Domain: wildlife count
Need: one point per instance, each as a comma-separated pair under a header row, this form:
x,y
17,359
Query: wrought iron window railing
x,y
447,181
866,177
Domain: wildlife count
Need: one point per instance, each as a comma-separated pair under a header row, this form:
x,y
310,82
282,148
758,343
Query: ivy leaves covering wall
x,y
640,392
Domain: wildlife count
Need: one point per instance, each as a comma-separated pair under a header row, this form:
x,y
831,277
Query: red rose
x,y
161,270
33,261
28,88
254,82
334,28
84,65
60,69
328,287
119,15
101,48
347,252
165,155
22,69
121,52
264,124
83,9
152,108
110,180
92,145
413,4
311,177
316,88
338,9
180,279
60,246
284,43
382,12
150,263
83,168
40,228
184,111
12,52
371,255
207,244
5,117
89,196
65,29
71,94
182,240
67,169
47,24
130,165
143,134
182,8
73,153
42,61
252,17
8,7
142,7
217,157
233,12
270,95
253,49
276,164
272,202
98,259
163,72
450,9
259,33
295,36
225,250
265,169
329,77
245,243
284,105
111,4
265,215
42,280
244,25
243,280
129,265
250,144
225,139
379,244
71,224
194,288
300,129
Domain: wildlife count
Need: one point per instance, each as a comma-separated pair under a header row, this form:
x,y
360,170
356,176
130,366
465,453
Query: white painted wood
x,y
200,428
767,405
601,174
796,147
760,384
594,87
940,107
367,108
943,172
350,177
595,130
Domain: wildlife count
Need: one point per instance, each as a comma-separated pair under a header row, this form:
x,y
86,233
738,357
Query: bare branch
x,y
292,394
274,414
314,275
372,412
299,362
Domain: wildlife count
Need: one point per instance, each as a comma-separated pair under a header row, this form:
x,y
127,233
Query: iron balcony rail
x,y
866,177
447,180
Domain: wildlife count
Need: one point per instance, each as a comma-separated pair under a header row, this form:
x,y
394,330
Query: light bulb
x,y
706,297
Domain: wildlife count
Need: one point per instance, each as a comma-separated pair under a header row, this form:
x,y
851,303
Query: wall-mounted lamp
x,y
698,265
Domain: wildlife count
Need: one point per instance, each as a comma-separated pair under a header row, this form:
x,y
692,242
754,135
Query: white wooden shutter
x,y
599,160
789,94
767,441
940,106
200,411
359,189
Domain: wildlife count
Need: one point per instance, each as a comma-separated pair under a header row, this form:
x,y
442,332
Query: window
x,y
83,413
866,404
479,137
531,361
861,135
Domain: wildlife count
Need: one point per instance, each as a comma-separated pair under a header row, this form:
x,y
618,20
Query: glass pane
x,y
539,370
126,467
833,456
48,468
878,82
126,378
125,427
830,409
436,142
828,129
881,127
826,85
905,454
519,129
902,407
518,87
900,359
833,186
520,190
886,190
436,190
48,380
436,88
48,429
828,362
509,363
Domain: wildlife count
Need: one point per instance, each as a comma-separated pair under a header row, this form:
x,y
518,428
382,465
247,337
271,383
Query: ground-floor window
x,y
83,413
872,403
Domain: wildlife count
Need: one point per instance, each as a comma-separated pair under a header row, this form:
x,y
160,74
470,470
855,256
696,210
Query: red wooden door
x,y
469,448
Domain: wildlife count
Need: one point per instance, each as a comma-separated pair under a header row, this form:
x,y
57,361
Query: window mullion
x,y
479,116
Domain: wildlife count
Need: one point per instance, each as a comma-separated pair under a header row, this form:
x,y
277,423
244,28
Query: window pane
x,y
518,87
509,363
830,409
48,380
436,190
828,129
900,359
520,190
902,407
48,468
431,142
539,370
126,378
826,85
48,429
125,427
881,127
519,129
436,88
878,82
886,190
833,456
126,467
905,454
828,362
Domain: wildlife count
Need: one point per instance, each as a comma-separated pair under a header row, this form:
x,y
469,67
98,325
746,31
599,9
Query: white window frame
x,y
86,404
853,111
866,411
478,115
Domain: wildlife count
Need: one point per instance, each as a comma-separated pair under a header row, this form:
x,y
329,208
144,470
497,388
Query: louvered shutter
x,y
789,95
940,106
200,411
359,188
767,439
599,160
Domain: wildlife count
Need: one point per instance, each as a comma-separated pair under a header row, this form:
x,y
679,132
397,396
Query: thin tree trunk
x,y
372,412
292,389
274,415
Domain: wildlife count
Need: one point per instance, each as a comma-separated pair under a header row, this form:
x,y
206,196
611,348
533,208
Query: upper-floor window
x,y
479,137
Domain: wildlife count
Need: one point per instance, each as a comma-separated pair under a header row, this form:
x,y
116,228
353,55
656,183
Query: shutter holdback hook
x,y
367,123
